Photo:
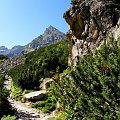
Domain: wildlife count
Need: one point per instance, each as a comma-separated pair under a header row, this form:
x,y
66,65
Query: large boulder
x,y
37,95
46,83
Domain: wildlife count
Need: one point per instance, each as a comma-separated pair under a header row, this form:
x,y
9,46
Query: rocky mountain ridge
x,y
14,51
4,50
90,22
10,63
50,36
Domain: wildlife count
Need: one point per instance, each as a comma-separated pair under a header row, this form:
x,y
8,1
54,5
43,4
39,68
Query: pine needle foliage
x,y
40,64
5,107
91,91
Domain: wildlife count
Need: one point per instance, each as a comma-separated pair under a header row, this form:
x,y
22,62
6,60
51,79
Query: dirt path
x,y
23,110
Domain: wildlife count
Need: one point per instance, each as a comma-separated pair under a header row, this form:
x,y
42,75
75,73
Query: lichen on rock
x,y
90,21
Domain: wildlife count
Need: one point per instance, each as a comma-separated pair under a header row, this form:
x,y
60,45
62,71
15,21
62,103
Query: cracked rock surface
x,y
90,21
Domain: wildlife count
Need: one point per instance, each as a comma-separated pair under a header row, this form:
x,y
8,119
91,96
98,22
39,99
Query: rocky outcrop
x,y
37,95
90,21
46,83
10,63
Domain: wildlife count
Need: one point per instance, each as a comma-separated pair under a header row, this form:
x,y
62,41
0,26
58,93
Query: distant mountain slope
x,y
50,36
16,50
4,50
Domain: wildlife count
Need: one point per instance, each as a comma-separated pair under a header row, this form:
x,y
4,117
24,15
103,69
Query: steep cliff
x,y
90,22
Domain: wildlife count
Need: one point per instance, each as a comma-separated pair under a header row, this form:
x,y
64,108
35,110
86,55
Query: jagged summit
x,y
50,36
50,30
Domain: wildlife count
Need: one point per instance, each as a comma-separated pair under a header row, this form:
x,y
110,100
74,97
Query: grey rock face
x,y
90,21
15,51
10,63
50,36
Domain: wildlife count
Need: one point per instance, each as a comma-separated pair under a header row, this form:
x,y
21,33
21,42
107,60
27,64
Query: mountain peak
x,y
51,35
50,30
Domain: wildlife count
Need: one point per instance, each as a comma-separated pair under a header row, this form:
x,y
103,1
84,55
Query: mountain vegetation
x,y
37,66
3,97
91,90
47,105
86,90
5,108
3,58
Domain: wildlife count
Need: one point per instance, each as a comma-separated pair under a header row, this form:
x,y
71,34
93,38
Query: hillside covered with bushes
x,y
84,69
38,65
91,90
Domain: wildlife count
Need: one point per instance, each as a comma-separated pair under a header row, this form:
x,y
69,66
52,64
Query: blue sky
x,y
23,20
